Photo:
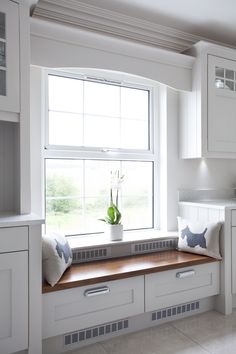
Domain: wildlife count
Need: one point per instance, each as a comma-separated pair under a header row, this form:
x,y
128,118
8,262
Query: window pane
x,y
110,116
65,129
78,194
101,99
101,132
65,94
3,83
64,190
137,194
134,103
2,25
3,54
134,134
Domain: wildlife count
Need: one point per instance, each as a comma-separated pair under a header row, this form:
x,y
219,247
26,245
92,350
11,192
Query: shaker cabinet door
x,y
13,302
221,104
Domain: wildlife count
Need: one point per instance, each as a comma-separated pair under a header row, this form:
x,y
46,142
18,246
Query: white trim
x,y
57,46
75,13
57,32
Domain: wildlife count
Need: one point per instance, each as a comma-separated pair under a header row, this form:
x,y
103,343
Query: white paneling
x,y
203,214
214,215
8,167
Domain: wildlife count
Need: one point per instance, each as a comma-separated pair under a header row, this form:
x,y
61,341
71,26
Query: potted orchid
x,y
113,217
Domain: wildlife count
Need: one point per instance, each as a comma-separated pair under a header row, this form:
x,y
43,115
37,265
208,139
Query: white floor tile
x,y
163,339
91,349
213,331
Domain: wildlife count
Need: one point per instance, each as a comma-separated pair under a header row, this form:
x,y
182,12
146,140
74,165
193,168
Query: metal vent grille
x,y
175,310
92,254
89,333
153,246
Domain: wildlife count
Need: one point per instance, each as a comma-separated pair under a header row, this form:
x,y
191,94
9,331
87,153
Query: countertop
x,y
9,220
213,203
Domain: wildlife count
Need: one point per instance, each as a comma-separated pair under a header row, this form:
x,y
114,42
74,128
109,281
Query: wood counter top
x,y
125,267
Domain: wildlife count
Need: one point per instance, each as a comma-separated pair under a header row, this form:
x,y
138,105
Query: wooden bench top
x,y
125,267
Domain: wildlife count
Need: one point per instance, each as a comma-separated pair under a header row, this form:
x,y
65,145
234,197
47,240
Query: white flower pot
x,y
115,232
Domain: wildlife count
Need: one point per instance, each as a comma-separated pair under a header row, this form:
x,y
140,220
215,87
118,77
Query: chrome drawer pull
x,y
186,274
97,291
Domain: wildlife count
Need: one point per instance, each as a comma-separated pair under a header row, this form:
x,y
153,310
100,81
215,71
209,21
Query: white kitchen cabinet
x,y
9,57
14,302
207,114
21,284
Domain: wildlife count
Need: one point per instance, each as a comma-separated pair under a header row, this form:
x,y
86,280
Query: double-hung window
x,y
95,126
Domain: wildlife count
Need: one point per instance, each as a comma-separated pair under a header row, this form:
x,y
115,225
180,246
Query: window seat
x,y
125,267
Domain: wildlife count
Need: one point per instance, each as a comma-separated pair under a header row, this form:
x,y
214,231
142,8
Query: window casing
x,y
138,163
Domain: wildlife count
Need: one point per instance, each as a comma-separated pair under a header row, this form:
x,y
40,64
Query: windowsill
x,y
102,240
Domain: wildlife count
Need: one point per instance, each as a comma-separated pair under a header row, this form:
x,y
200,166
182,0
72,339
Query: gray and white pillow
x,y
199,237
57,257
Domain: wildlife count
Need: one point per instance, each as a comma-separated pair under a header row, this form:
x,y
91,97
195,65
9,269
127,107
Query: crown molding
x,y
78,14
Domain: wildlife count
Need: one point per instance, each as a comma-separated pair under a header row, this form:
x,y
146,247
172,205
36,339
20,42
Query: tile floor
x,y
210,332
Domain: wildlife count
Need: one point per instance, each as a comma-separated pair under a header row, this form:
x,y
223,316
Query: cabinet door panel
x,y
221,104
14,302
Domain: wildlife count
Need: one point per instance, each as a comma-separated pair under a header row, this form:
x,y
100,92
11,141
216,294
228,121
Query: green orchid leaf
x,y
111,213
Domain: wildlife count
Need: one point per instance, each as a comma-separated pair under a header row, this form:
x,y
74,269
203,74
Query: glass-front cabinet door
x,y
9,56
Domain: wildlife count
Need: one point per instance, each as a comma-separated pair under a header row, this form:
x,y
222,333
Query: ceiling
x,y
208,19
213,19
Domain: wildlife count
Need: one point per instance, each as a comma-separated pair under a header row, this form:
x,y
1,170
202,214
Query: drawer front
x,y
87,306
233,220
13,239
180,285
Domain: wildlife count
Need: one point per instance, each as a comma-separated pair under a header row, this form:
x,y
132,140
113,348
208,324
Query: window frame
x,y
116,154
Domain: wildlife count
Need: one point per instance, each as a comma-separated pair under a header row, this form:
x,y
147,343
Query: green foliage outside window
x,y
61,192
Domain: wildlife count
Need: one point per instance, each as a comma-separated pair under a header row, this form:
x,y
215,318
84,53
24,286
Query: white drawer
x,y
13,239
181,285
233,220
82,307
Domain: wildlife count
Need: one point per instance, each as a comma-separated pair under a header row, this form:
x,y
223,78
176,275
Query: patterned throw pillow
x,y
57,257
198,237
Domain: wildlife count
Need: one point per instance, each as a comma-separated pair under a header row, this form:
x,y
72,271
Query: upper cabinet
x,y
9,57
208,112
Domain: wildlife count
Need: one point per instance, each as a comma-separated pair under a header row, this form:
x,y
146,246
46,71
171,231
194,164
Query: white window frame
x,y
116,154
